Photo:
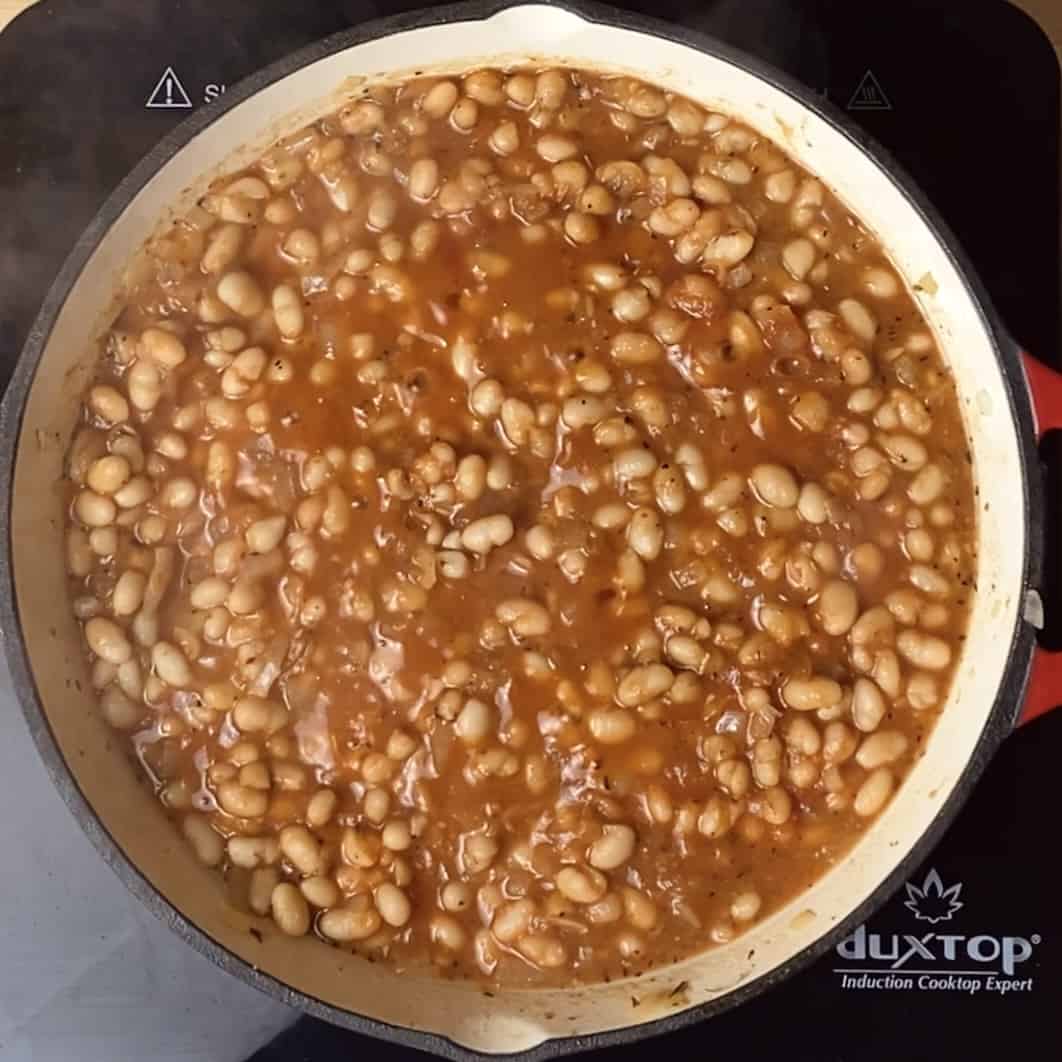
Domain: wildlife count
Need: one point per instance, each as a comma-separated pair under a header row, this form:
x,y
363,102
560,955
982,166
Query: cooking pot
x,y
1004,405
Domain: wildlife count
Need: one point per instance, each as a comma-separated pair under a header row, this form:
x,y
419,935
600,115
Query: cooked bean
x,y
128,595
486,533
584,411
242,801
171,665
745,906
873,794
178,493
687,653
208,845
471,477
287,311
813,504
635,463
396,835
252,852
927,485
776,806
556,148
802,735
266,534
107,640
300,848
240,292
108,404
880,283
905,451
245,597
774,485
524,617
929,580
642,684
581,885
162,347
635,348
393,904
439,99
321,892
885,746
868,705
924,650
729,248
254,715
119,709
423,179
645,533
837,607
108,474
581,228
472,724
859,319
799,256
611,726
811,694
613,848
345,924
543,951
839,743
94,510
478,853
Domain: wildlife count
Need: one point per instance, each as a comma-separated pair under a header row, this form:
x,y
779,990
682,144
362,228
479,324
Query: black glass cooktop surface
x,y
966,962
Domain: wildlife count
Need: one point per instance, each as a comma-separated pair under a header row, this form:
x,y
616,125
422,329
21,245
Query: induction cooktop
x,y
965,962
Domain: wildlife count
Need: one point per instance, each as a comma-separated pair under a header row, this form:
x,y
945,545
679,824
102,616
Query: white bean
x,y
613,848
107,640
643,684
868,705
775,486
484,534
873,794
837,607
472,724
393,904
811,694
290,910
163,348
265,535
287,311
240,292
645,533
171,665
128,593
925,651
885,746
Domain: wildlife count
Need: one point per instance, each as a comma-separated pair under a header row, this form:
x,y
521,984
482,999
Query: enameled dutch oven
x,y
1005,406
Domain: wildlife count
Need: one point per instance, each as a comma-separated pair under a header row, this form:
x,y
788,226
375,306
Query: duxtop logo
x,y
935,961
932,902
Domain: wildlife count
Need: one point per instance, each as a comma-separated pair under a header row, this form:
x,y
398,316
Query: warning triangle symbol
x,y
869,95
169,93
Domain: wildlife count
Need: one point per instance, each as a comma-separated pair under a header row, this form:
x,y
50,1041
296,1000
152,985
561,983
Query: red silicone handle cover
x,y
1045,675
1045,388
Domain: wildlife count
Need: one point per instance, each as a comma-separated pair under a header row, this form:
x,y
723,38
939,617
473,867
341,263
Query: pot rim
x,y
1012,682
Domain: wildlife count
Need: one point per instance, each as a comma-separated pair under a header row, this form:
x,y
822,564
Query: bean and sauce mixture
x,y
523,526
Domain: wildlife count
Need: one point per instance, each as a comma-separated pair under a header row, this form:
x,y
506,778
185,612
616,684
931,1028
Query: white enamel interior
x,y
517,1020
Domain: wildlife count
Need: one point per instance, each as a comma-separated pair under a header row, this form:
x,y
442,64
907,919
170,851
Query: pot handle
x,y
1045,674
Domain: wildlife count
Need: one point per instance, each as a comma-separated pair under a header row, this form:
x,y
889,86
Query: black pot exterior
x,y
1011,690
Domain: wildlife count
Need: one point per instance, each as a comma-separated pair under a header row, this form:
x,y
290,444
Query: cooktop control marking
x,y
869,95
168,93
